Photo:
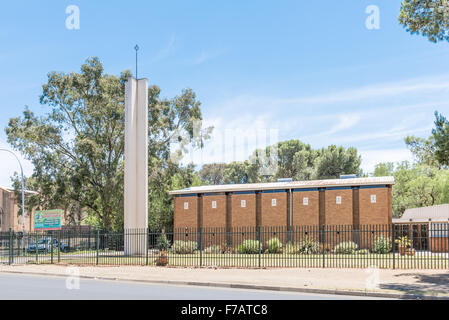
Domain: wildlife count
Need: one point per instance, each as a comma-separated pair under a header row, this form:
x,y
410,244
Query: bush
x,y
347,247
381,245
274,245
184,247
291,248
362,252
214,249
249,247
309,246
162,242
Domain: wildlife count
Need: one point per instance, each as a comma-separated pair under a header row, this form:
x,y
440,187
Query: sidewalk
x,y
392,283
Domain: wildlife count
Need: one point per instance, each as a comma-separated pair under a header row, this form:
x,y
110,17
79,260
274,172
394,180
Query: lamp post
x,y
23,194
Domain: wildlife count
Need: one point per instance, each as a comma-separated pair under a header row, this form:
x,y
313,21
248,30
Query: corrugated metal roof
x,y
435,213
288,185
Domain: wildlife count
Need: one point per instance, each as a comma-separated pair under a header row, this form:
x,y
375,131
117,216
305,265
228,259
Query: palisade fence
x,y
404,246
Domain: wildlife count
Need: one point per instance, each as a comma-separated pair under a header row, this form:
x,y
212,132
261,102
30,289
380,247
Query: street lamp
x,y
23,190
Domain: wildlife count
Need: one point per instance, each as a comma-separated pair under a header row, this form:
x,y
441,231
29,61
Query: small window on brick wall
x,y
214,204
338,200
373,198
273,202
243,203
305,201
186,206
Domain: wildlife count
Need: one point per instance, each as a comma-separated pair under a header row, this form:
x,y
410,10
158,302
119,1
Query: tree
x,y
293,159
241,172
423,150
77,148
287,159
212,173
434,150
419,186
299,161
334,161
440,137
384,169
429,18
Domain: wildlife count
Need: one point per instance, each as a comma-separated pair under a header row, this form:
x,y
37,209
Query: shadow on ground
x,y
424,284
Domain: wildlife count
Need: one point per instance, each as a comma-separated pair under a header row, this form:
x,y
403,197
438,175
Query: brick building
x,y
353,201
10,217
426,227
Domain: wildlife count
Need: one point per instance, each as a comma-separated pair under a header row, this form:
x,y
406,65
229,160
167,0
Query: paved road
x,y
54,288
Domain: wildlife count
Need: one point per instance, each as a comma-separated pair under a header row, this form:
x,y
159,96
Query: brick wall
x,y
186,217
438,244
338,214
274,215
243,216
305,215
214,217
374,213
322,208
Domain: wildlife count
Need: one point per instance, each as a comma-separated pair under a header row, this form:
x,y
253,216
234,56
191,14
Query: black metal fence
x,y
408,246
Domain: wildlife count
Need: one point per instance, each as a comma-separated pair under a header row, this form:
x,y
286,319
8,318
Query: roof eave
x,y
288,185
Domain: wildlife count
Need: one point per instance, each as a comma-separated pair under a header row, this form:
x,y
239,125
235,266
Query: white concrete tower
x,y
136,166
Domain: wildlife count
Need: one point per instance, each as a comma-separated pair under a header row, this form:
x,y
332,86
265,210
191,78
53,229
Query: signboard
x,y
48,220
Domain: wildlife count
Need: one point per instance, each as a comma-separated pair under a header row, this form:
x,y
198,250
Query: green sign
x,y
48,220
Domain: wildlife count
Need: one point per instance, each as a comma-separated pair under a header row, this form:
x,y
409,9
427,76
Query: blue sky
x,y
307,70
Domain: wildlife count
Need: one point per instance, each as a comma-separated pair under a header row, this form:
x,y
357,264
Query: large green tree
x,y
434,150
334,161
440,135
426,181
212,173
241,172
287,159
77,148
384,169
419,186
429,18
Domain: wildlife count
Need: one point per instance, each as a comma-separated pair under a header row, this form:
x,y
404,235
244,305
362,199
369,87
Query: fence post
x,y
97,244
37,248
11,247
392,244
59,246
51,246
323,237
147,246
260,239
200,231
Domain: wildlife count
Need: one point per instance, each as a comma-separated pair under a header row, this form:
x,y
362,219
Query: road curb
x,y
355,293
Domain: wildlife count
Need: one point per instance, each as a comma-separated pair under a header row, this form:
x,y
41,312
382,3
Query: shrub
x,y
162,242
347,247
362,252
291,248
404,242
214,249
184,247
274,245
381,245
249,247
309,246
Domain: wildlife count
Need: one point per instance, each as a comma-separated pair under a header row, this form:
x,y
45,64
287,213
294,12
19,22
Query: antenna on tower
x,y
137,49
